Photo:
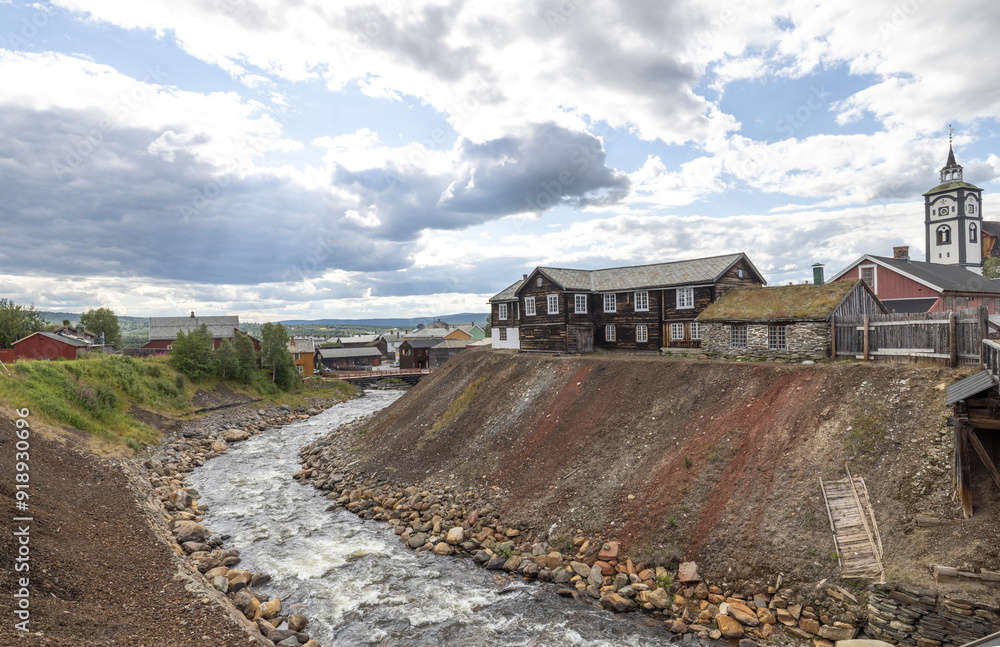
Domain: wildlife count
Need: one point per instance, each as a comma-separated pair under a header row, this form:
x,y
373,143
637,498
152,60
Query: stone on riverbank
x,y
236,435
729,627
191,531
297,622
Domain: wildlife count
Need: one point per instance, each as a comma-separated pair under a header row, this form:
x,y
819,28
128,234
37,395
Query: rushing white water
x,y
356,582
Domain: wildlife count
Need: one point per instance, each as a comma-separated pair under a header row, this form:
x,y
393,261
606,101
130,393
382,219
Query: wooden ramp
x,y
855,533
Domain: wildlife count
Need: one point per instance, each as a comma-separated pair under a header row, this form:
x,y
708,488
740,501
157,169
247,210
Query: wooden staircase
x,y
855,533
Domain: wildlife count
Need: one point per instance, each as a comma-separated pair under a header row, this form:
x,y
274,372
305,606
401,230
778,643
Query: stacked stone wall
x,y
804,340
904,615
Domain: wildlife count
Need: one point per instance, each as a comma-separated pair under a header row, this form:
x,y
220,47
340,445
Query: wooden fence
x,y
953,336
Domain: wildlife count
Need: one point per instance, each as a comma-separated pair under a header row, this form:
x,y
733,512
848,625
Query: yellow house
x,y
303,354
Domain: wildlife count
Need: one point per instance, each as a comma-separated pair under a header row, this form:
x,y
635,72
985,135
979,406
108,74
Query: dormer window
x,y
944,235
972,232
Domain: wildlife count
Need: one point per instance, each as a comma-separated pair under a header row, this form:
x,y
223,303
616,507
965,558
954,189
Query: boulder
x,y
442,548
837,631
678,627
609,552
810,625
180,498
512,564
617,603
729,627
659,598
765,617
580,568
687,573
743,614
297,622
219,446
455,536
191,531
221,583
417,540
236,435
270,609
596,576
553,560
242,600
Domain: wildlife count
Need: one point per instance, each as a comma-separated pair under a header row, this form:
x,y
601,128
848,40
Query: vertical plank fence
x,y
954,337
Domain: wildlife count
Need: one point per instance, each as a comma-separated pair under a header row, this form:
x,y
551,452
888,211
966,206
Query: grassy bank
x,y
97,394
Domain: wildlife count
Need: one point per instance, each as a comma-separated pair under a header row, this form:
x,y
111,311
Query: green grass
x,y
457,407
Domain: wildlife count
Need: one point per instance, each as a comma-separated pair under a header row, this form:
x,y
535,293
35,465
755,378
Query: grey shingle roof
x,y
360,339
167,327
301,346
687,272
970,386
422,343
338,353
509,293
72,341
946,278
452,343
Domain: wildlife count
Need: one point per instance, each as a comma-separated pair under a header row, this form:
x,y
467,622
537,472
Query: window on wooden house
x,y
868,276
502,311
580,304
609,332
641,334
949,303
685,298
676,331
297,357
503,334
610,303
553,304
529,306
738,336
776,338
642,301
695,330
961,302
538,281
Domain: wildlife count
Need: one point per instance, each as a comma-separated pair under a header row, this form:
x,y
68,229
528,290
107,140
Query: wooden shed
x,y
790,322
47,345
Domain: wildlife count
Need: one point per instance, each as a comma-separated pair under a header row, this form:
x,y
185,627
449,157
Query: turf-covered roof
x,y
949,186
779,303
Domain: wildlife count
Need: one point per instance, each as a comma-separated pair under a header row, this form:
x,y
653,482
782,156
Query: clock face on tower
x,y
944,211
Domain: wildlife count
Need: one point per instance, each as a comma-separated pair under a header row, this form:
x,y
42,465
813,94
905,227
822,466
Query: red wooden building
x,y
904,285
47,345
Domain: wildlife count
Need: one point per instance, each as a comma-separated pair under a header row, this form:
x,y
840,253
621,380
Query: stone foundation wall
x,y
904,615
805,340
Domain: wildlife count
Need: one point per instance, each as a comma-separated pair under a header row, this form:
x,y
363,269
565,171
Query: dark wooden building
x,y
645,307
163,330
444,350
415,353
332,358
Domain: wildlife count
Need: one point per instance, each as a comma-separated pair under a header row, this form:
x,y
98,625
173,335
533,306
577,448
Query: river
x,y
356,582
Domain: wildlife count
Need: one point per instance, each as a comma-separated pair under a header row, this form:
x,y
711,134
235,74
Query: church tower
x,y
953,219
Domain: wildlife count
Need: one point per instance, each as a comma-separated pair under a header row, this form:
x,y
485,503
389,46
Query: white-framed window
x,y
868,275
529,306
695,330
299,369
944,234
538,281
776,338
685,298
502,311
609,332
610,303
642,301
297,357
580,304
553,304
676,331
641,334
738,336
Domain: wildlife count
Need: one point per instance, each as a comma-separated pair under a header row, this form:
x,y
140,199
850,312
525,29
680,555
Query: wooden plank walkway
x,y
855,533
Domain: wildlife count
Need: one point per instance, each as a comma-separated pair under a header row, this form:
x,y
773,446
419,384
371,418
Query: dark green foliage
x,y
102,320
991,268
227,361
193,354
246,358
276,356
17,321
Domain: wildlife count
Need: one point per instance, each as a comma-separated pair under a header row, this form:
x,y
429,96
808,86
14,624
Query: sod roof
x,y
783,302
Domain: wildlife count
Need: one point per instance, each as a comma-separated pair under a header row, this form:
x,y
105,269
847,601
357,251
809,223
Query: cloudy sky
x,y
405,158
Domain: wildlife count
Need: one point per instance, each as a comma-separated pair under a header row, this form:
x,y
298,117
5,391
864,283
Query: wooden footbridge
x,y
855,532
372,378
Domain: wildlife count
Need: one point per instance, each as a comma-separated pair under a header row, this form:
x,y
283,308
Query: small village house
x,y
360,341
163,330
346,358
303,352
645,307
790,322
47,345
444,350
415,353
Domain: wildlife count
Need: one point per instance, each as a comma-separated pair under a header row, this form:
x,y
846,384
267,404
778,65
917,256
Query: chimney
x,y
818,274
525,277
901,253
192,314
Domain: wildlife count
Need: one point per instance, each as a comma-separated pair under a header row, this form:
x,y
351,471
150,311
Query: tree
x,y
193,355
991,268
17,321
102,320
275,355
227,361
246,357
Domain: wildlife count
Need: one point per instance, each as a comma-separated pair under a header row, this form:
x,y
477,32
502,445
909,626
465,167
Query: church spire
x,y
952,171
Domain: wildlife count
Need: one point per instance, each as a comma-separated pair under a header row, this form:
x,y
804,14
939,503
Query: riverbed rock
x,y
617,603
219,446
221,583
455,536
687,573
297,622
417,540
191,531
442,548
236,435
609,552
729,627
562,576
659,598
512,564
242,600
678,627
837,631
553,560
596,576
270,609
743,614
580,568
180,498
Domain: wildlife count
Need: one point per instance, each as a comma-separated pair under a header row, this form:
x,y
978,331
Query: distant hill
x,y
478,318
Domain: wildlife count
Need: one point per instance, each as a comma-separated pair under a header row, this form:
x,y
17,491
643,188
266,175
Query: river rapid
x,y
356,582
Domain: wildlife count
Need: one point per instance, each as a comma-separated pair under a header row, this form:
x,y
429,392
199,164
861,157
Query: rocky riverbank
x,y
265,619
463,522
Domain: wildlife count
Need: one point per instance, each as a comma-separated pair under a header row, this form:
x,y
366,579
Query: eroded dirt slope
x,y
710,460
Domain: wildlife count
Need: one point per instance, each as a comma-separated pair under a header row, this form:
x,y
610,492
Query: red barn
x,y
163,330
47,345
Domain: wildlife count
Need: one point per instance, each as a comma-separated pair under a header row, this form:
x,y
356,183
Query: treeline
x,y
194,355
18,321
